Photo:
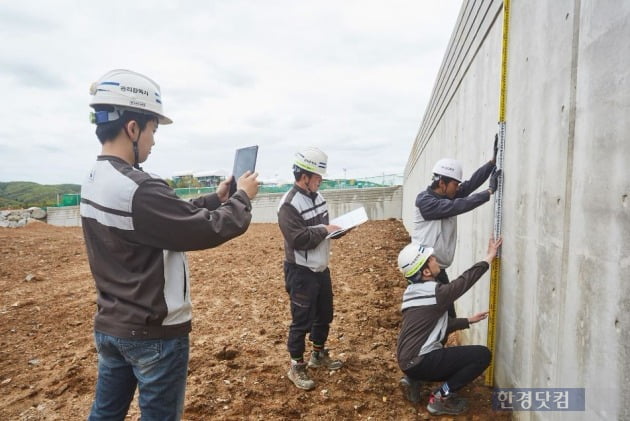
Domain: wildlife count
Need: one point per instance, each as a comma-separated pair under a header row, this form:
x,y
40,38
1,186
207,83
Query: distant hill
x,y
25,194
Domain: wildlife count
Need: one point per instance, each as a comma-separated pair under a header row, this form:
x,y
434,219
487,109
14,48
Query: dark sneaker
x,y
322,359
450,405
298,375
411,389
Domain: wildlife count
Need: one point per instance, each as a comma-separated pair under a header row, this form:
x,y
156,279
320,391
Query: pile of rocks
x,y
20,217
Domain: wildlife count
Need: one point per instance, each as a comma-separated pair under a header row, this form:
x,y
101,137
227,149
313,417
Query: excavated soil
x,y
238,359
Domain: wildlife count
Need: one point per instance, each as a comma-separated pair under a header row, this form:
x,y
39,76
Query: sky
x,y
352,78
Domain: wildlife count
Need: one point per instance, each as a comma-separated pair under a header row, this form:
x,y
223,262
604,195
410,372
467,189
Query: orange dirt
x,y
238,359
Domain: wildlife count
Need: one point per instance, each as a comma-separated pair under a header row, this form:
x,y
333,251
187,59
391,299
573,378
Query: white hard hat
x,y
450,168
127,90
312,160
412,258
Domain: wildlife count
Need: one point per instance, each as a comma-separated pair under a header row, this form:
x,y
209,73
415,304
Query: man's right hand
x,y
248,183
332,228
493,246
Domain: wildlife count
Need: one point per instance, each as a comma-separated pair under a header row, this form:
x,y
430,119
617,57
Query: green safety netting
x,y
188,192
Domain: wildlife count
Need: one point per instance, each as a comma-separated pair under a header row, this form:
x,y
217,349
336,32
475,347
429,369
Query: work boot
x,y
298,375
449,405
411,389
322,359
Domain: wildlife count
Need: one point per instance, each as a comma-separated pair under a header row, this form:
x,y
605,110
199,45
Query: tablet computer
x,y
244,160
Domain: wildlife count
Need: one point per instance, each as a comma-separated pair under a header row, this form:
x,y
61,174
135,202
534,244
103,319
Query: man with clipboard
x,y
303,220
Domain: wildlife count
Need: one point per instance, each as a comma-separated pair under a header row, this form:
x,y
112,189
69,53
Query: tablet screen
x,y
244,160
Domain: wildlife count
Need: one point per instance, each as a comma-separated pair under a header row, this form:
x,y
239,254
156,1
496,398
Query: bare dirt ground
x,y
238,359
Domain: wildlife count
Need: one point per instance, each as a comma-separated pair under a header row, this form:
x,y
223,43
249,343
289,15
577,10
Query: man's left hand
x,y
223,190
494,180
478,317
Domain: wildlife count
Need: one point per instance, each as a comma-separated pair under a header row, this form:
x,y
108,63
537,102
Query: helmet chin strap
x,y
136,153
308,182
308,187
136,164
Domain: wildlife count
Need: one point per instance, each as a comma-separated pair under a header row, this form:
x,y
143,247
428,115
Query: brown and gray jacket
x,y
136,231
425,315
302,217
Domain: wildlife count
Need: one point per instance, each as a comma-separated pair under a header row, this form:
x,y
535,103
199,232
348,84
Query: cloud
x,y
29,75
24,19
351,77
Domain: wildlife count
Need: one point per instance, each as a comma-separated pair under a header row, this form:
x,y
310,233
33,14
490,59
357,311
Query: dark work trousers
x,y
458,365
443,279
311,306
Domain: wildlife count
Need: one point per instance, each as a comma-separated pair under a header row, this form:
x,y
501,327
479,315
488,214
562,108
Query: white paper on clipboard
x,y
348,220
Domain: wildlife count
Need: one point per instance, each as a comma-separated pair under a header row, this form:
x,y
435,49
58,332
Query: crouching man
x,y
426,323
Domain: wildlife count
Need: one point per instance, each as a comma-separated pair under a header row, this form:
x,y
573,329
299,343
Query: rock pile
x,y
19,217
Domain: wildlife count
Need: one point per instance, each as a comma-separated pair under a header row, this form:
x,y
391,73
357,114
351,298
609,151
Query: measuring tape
x,y
495,269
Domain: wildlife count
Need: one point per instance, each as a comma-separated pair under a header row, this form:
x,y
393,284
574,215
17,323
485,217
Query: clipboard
x,y
348,221
244,160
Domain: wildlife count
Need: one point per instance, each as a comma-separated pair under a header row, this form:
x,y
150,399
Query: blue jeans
x,y
157,366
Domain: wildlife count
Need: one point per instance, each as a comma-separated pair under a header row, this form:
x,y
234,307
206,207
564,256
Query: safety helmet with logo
x,y
412,258
125,90
311,160
450,168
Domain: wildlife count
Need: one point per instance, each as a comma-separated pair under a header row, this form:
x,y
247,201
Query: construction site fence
x,y
379,181
187,192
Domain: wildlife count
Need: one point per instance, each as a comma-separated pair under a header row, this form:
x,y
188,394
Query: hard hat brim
x,y
311,169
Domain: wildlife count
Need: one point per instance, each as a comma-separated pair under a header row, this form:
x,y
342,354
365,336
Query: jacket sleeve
x,y
163,220
446,294
476,180
432,207
456,324
209,201
296,233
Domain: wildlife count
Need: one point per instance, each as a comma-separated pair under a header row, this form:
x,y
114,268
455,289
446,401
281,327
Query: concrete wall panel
x,y
537,145
599,249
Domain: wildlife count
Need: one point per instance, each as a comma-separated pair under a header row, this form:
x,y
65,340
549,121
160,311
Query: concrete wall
x,y
380,203
66,216
563,301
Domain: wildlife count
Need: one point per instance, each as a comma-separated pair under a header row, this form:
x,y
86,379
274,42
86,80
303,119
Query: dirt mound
x,y
238,359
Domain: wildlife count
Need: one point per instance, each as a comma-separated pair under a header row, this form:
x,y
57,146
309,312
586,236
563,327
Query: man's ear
x,y
426,272
132,129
